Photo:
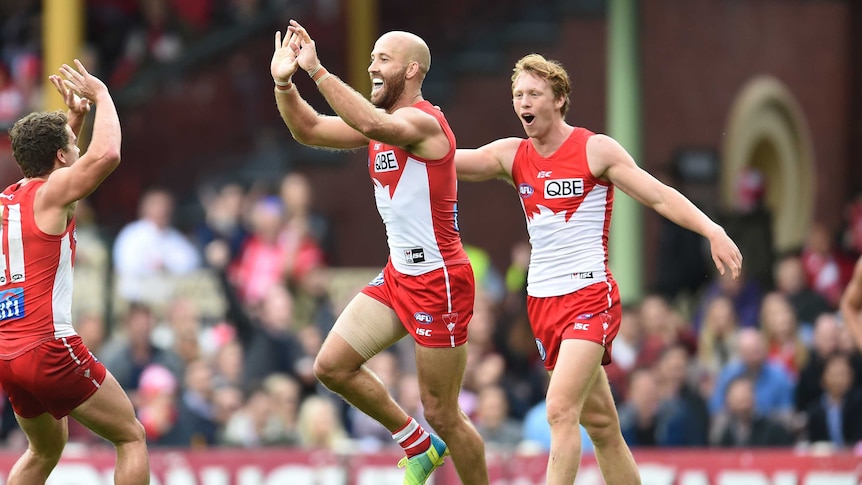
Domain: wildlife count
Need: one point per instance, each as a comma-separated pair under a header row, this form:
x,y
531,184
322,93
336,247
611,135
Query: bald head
x,y
405,47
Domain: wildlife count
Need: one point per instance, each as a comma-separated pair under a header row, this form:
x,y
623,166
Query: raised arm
x,y
851,304
305,124
610,161
76,181
407,127
491,161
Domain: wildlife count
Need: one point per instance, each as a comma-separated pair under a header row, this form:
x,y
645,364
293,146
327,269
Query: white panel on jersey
x,y
571,255
409,223
16,245
61,295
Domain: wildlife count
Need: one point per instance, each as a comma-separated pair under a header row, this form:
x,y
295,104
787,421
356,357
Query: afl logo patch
x,y
423,318
541,348
525,190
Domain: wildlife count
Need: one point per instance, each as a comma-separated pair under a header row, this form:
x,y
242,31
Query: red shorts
x,y
435,307
56,377
592,313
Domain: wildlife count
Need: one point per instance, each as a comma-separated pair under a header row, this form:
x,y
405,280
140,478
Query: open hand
x,y
78,82
725,253
76,104
283,63
304,48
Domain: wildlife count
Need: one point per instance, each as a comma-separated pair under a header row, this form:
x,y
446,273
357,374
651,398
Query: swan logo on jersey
x,y
541,348
564,188
423,318
525,190
450,319
385,162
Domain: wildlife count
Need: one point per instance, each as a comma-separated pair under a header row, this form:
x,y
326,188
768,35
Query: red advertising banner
x,y
292,467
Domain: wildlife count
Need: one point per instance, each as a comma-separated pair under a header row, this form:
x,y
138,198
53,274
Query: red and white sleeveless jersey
x,y
35,275
568,213
418,202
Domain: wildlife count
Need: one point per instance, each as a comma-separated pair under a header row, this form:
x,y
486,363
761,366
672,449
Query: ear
x,y
412,69
559,102
61,156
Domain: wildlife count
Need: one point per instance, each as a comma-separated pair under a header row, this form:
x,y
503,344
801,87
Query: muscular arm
x,y
851,304
310,128
487,162
610,161
409,128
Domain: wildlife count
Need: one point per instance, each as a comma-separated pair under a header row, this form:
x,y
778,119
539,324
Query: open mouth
x,y
376,83
528,118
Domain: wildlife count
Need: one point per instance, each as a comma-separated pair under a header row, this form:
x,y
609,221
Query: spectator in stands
x,y
744,292
780,330
320,427
493,421
286,394
826,268
255,424
773,386
196,421
682,406
223,207
92,263
824,346
790,281
12,102
131,350
663,327
639,414
302,219
156,405
625,351
837,416
717,340
740,424
228,363
271,255
151,247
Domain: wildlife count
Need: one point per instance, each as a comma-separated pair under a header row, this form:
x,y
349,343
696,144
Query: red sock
x,y
413,438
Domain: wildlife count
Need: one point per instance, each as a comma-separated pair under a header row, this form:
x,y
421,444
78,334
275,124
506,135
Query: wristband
x,y
283,84
283,87
319,74
312,72
321,79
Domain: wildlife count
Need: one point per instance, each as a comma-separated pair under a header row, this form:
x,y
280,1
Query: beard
x,y
393,88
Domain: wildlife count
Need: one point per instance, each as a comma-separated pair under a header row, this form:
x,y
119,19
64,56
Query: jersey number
x,y
11,260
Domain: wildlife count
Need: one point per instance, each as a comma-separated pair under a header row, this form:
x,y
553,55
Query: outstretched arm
x,y
609,160
305,124
851,304
487,162
404,128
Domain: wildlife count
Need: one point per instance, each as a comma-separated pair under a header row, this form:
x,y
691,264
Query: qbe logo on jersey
x,y
385,162
563,188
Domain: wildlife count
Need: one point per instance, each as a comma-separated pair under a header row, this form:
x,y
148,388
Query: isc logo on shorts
x,y
423,318
385,162
563,188
582,326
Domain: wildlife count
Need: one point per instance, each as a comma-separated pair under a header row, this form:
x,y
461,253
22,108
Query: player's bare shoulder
x,y
604,153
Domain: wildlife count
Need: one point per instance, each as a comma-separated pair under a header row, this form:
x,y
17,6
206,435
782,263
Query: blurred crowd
x,y
122,37
213,327
739,363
